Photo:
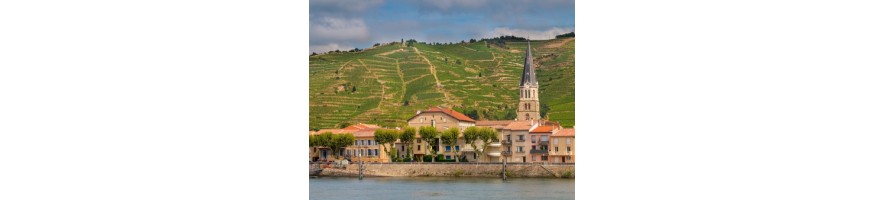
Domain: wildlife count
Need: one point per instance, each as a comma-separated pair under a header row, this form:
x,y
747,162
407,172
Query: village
x,y
439,134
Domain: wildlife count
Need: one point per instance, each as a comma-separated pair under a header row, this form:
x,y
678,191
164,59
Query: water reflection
x,y
440,188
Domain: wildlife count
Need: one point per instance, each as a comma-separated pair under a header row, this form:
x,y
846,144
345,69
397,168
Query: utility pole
x,y
361,166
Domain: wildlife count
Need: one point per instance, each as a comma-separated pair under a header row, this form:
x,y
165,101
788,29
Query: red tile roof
x,y
358,130
522,125
457,115
543,129
569,132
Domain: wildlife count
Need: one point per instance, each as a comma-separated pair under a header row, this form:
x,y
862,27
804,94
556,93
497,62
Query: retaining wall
x,y
452,169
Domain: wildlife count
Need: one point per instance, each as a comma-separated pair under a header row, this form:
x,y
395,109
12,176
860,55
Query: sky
x,y
348,24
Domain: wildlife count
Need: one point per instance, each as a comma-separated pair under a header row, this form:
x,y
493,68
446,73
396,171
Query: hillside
x,y
387,84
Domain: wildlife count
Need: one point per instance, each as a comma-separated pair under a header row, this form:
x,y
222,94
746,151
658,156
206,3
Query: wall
x,y
473,170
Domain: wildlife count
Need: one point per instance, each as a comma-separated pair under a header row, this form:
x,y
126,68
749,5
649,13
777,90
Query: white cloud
x,y
328,47
338,29
531,34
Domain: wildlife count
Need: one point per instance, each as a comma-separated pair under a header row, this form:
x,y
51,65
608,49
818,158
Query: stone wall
x,y
455,170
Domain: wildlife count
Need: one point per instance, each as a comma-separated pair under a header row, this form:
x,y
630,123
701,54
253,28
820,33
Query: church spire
x,y
528,69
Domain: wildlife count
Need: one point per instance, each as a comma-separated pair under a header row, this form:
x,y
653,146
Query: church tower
x,y
529,106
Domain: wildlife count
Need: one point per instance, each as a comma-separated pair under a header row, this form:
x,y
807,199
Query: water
x,y
412,188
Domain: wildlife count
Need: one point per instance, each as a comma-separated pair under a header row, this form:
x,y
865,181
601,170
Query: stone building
x,y
529,107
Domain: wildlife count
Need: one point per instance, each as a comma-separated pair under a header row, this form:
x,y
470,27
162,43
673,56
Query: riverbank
x,y
520,170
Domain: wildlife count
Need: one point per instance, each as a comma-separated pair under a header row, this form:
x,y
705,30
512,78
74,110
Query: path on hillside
x,y
402,80
433,72
378,79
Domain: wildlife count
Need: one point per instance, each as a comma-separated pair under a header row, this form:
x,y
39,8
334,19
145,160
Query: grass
x,y
472,76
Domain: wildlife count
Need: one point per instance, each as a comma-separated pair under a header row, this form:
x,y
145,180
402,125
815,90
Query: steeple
x,y
528,69
529,106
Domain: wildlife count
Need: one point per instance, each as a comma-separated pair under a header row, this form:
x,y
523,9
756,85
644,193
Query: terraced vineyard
x,y
387,84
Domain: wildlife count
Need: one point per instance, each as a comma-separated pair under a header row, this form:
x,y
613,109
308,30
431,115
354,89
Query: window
x,y
568,148
526,116
568,158
544,158
519,149
533,139
348,152
377,152
419,147
555,149
448,148
457,148
555,140
402,148
568,141
544,138
521,136
534,158
448,157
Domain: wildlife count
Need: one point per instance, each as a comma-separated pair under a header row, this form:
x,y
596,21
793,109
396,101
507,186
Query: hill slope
x,y
387,84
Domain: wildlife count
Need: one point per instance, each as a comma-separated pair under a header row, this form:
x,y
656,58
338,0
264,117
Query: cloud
x,y
337,29
328,47
341,8
531,34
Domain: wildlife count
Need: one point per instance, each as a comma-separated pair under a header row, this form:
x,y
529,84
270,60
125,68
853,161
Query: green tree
x,y
387,137
323,139
487,135
340,141
429,135
450,138
471,135
408,138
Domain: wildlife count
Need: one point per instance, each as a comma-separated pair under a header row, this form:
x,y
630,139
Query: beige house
x,y
562,146
364,148
442,119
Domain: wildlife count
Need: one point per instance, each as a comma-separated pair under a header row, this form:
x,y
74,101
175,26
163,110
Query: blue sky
x,y
348,24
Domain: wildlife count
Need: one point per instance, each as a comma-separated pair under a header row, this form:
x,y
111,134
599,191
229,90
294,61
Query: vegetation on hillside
x,y
386,84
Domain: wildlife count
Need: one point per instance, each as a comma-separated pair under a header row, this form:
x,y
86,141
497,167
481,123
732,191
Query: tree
x,y
323,139
429,135
313,53
450,138
472,40
408,138
340,141
544,110
487,135
387,137
471,134
344,125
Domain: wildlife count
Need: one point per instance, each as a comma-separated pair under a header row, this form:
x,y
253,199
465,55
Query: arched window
x,y
530,106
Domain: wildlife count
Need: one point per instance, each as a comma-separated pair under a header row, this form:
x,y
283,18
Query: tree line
x,y
477,137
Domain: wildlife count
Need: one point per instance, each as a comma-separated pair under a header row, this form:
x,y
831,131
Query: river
x,y
412,188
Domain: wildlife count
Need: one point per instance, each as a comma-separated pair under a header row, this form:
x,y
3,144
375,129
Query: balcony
x,y
506,153
538,151
520,140
543,142
506,142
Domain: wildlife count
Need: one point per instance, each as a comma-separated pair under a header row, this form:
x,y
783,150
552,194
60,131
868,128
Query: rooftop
x,y
569,132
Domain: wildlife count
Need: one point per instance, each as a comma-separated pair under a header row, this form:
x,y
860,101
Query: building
x,y
364,148
540,140
529,107
442,119
563,146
